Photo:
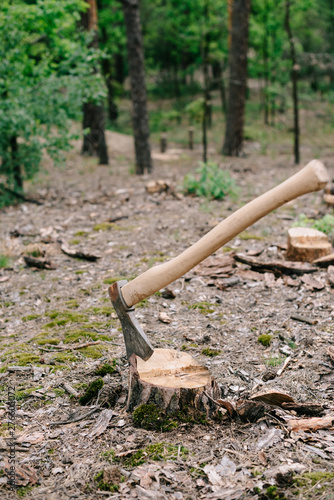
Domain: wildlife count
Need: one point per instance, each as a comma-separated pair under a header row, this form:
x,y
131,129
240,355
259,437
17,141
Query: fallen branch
x,y
39,263
303,319
305,424
70,347
76,419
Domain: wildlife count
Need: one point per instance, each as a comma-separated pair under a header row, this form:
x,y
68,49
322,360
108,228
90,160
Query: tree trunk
x,y
294,78
17,172
238,78
218,82
94,142
266,72
138,86
107,69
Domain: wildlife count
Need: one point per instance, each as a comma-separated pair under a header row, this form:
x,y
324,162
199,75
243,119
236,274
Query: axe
x,y
124,295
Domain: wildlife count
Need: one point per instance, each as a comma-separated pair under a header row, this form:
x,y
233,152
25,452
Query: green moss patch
x,y
64,357
26,358
48,341
108,479
91,391
105,369
72,303
211,353
93,352
203,307
265,339
30,317
150,417
104,226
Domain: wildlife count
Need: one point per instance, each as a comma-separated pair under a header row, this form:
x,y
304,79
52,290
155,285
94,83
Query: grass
x,y
4,261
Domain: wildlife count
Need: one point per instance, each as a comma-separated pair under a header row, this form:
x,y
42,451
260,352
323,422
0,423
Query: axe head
x,y
134,337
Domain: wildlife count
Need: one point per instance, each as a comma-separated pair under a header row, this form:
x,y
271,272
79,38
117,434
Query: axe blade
x,y
135,339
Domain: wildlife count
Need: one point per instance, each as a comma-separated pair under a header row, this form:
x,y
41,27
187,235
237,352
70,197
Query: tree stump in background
x,y
173,381
306,244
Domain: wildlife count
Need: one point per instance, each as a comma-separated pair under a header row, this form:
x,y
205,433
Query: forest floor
x,y
46,315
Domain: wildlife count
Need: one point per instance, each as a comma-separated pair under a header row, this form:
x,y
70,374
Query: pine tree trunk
x,y
138,86
238,78
94,142
294,78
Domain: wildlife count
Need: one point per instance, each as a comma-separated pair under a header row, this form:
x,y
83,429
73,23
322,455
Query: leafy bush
x,y
210,182
47,71
325,224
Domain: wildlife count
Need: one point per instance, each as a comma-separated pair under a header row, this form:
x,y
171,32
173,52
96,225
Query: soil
x,y
46,315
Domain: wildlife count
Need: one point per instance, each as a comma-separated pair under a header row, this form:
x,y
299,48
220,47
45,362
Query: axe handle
x,y
311,178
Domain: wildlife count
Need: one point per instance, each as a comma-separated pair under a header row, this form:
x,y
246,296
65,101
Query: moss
x,y
91,391
59,392
265,339
203,307
106,311
74,242
22,491
93,352
72,303
273,493
64,357
151,417
312,478
245,235
30,317
156,452
107,481
48,341
104,226
61,318
211,353
106,368
26,358
22,394
82,271
81,233
110,281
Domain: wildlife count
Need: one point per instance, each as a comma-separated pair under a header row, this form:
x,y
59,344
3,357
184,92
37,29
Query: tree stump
x,y
173,381
306,244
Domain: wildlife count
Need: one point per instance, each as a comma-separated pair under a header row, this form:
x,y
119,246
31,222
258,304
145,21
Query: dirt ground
x,y
47,315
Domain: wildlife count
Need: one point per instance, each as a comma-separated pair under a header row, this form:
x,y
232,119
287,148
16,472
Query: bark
x,y
238,78
173,384
138,86
94,142
266,72
218,82
294,79
108,73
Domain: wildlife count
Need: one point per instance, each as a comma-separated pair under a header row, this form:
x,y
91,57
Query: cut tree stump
x,y
173,381
306,244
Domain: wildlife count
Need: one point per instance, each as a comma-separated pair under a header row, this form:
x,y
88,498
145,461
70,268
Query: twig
x,y
120,217
69,347
285,364
77,419
303,319
68,388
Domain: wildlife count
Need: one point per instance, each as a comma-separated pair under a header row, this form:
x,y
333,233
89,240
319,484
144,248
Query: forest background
x,y
187,63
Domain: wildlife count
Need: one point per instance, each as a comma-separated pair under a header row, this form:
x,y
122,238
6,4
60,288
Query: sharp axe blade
x,y
135,339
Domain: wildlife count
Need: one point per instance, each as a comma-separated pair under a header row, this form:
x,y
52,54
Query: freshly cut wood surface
x,y
173,381
173,369
306,244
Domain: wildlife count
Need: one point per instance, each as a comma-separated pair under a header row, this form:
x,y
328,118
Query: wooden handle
x,y
311,178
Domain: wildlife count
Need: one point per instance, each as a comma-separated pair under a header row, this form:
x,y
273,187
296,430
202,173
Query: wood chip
x,y
305,424
307,408
273,397
164,318
306,244
68,388
312,282
101,424
325,261
330,352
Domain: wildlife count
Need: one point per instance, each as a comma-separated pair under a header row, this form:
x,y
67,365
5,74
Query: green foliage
x,y
91,391
325,224
4,261
106,368
47,72
210,182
